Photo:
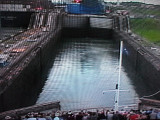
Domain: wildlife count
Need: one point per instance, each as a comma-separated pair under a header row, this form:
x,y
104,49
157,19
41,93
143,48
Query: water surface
x,y
82,69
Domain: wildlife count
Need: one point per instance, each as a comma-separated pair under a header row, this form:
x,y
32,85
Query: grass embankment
x,y
147,28
146,11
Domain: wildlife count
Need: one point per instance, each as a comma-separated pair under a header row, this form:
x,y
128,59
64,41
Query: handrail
x,y
149,102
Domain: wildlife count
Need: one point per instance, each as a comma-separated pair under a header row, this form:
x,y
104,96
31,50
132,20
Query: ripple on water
x,y
81,71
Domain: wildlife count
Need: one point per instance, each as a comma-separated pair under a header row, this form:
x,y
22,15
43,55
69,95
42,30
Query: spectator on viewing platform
x,y
8,118
30,117
153,115
134,116
158,115
116,116
64,116
110,115
143,117
57,116
85,116
79,116
48,116
70,116
99,115
121,116
41,116
93,116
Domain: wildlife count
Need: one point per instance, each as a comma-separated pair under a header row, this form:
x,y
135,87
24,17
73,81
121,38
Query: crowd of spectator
x,y
98,115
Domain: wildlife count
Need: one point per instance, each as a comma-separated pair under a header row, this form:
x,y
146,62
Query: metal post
x,y
119,79
128,24
120,23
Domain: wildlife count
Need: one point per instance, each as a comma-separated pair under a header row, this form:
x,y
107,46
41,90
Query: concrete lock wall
x,y
149,68
75,26
145,64
75,21
101,22
100,27
27,85
87,26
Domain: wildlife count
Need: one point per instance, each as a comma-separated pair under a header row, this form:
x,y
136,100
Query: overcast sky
x,y
157,2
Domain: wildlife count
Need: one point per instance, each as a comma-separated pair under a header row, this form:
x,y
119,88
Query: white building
x,y
14,7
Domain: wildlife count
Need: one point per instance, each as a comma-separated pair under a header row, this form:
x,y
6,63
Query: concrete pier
x,y
35,108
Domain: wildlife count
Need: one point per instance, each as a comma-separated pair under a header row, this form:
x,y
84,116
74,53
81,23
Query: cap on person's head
x,y
131,112
57,114
69,112
7,118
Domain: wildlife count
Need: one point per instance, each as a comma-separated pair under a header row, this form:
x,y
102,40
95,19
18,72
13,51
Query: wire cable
x,y
152,94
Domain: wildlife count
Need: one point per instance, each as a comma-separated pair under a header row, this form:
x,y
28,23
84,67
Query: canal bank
x,y
28,75
144,61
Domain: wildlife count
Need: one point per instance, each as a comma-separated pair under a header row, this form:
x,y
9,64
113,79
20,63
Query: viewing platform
x,y
52,110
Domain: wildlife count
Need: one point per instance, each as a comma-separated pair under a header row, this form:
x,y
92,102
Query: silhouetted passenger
x,y
70,116
116,116
110,116
79,116
158,115
153,115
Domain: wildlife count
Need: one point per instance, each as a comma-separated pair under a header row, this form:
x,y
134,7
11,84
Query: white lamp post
x,y
117,90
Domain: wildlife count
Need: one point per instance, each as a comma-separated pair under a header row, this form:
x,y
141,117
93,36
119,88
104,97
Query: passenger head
x,y
8,118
